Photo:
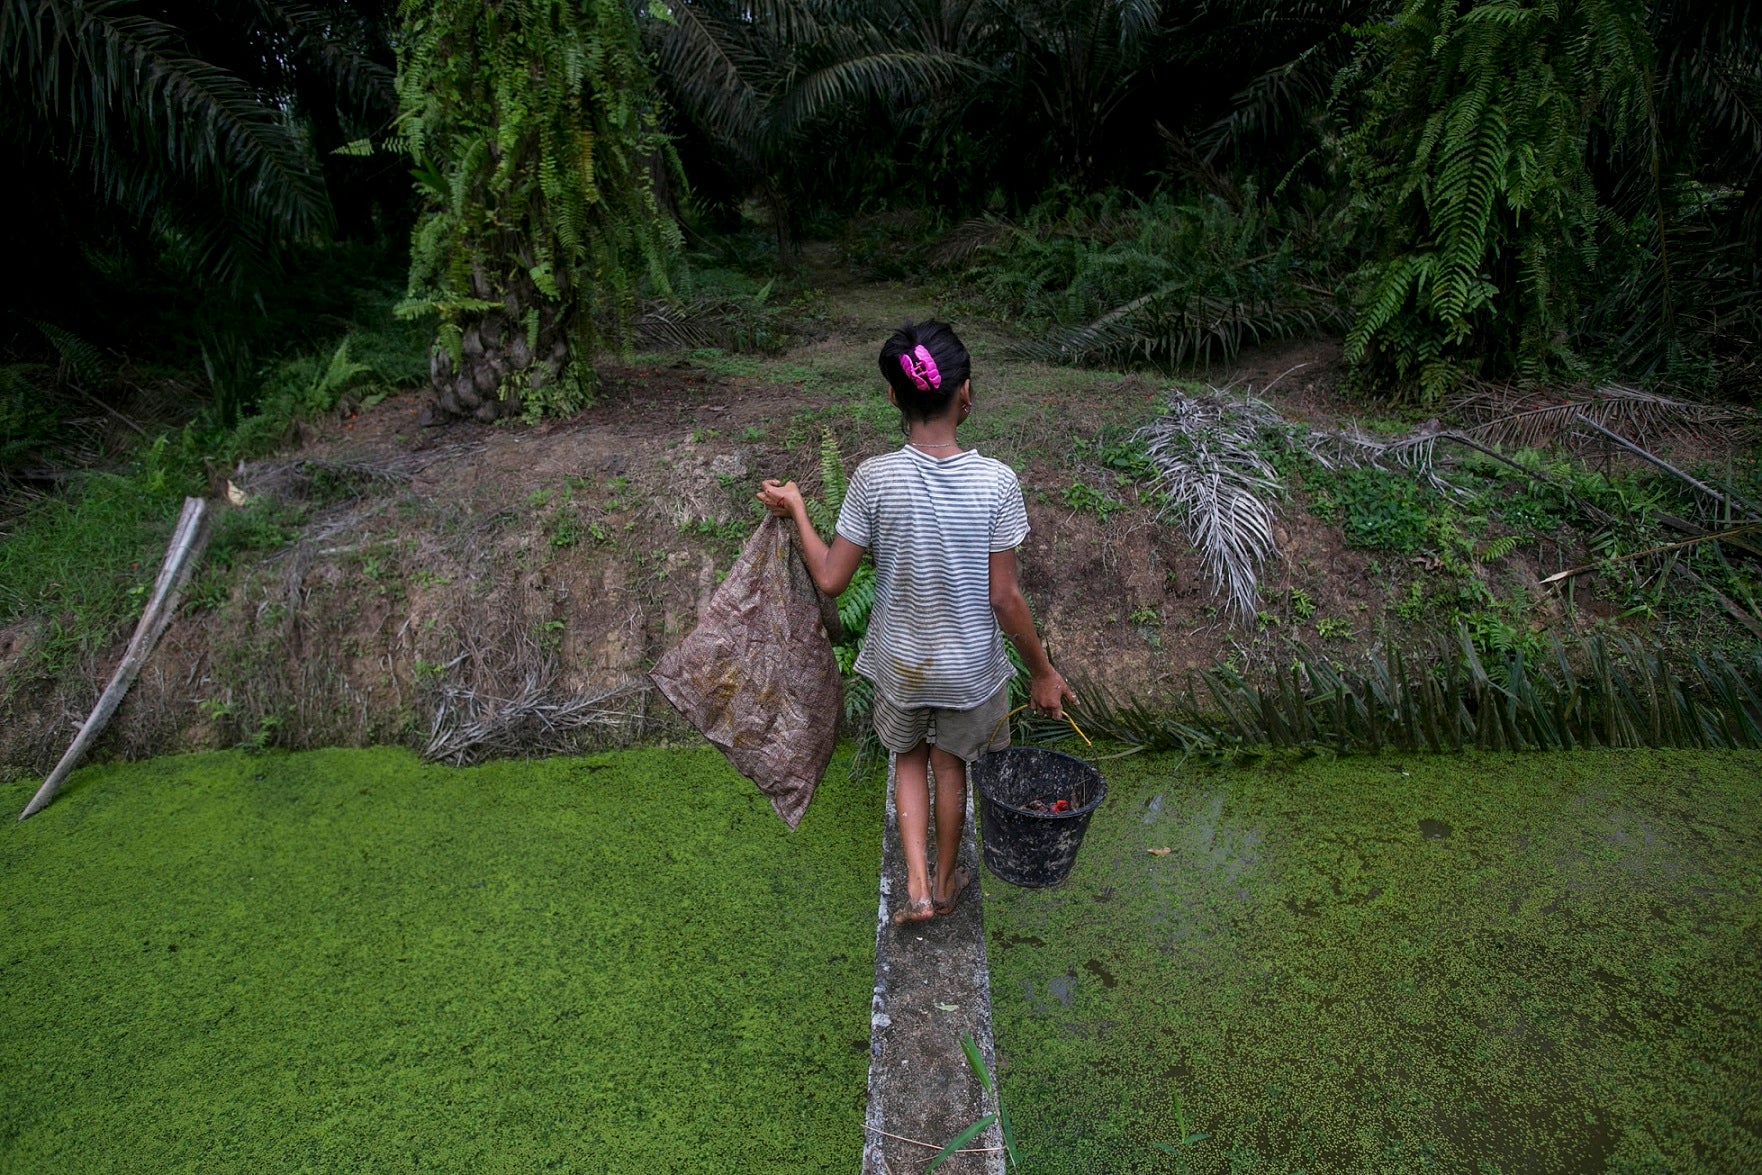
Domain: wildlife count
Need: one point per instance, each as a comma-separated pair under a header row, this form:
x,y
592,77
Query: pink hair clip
x,y
920,368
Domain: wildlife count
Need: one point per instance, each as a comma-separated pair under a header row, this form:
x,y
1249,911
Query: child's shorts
x,y
966,734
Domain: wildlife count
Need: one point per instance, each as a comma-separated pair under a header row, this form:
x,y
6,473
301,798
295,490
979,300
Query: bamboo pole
x,y
186,545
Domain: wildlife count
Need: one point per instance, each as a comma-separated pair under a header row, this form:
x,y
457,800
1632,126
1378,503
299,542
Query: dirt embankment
x,y
551,563
424,576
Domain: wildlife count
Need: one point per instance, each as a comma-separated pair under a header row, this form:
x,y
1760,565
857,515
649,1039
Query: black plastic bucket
x,y
1024,846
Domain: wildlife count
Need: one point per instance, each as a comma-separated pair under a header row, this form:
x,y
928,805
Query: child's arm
x,y
831,566
1047,689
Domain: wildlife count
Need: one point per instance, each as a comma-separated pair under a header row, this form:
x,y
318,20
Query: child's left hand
x,y
1048,693
781,498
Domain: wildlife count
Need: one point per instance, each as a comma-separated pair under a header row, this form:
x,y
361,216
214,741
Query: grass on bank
x,y
350,960
1402,963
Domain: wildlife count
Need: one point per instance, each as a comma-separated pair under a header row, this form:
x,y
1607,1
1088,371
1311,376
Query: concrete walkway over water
x,y
932,986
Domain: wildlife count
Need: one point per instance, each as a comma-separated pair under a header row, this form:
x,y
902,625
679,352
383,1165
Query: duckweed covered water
x,y
350,960
1482,964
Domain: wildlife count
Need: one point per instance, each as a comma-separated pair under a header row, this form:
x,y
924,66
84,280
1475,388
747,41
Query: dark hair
x,y
952,364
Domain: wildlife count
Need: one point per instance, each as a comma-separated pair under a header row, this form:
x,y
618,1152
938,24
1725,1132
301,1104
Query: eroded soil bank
x,y
393,577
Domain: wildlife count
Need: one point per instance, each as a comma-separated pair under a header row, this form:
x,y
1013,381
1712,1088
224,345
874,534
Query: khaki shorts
x,y
966,734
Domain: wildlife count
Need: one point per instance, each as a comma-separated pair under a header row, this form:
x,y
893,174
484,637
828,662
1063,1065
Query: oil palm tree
x,y
758,81
533,129
194,121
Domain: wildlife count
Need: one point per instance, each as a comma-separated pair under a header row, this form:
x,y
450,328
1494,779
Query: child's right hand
x,y
781,498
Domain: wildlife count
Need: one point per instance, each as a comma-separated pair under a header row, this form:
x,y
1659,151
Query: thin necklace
x,y
922,445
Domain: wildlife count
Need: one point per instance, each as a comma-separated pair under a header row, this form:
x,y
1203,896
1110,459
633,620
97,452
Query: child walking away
x,y
943,524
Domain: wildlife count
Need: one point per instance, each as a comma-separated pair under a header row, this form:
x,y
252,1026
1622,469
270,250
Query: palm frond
x,y
1592,692
1219,485
146,118
1528,419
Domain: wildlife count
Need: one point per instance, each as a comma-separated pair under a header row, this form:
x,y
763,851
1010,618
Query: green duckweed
x,y
1478,964
350,960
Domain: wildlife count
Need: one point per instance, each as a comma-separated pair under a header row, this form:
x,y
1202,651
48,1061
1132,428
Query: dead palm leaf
x,y
1212,475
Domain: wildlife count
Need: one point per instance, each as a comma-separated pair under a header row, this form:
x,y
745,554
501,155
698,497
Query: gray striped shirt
x,y
931,526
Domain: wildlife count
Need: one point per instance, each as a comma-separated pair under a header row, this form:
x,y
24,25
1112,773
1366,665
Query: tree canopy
x,y
1510,189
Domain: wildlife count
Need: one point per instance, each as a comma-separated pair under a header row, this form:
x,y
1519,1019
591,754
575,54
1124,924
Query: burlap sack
x,y
757,675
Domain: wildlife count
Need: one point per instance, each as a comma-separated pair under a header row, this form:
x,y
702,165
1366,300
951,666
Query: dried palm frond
x,y
662,327
747,324
1416,453
469,727
1211,473
1171,326
1532,420
958,245
298,478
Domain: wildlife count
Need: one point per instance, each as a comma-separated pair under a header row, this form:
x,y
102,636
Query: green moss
x,y
1523,963
350,960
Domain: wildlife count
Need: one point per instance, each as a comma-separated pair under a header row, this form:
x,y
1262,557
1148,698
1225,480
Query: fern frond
x,y
832,479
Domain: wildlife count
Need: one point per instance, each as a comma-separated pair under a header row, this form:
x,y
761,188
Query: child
x,y
943,524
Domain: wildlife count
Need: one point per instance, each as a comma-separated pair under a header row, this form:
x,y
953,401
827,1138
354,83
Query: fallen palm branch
x,y
1213,476
1710,536
186,546
1533,420
1728,500
470,727
302,477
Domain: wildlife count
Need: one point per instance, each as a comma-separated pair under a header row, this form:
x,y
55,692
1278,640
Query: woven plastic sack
x,y
757,675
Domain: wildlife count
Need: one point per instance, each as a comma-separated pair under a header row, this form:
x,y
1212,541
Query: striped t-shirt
x,y
931,526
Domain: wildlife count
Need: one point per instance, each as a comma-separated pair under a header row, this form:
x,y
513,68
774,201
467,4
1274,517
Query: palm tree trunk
x,y
503,354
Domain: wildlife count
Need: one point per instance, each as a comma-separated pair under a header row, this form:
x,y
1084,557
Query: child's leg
x,y
951,819
911,799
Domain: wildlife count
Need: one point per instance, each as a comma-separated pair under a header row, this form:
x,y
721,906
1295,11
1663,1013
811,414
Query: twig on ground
x,y
1728,499
1704,538
968,1150
469,727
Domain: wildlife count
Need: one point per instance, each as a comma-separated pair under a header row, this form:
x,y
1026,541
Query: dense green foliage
x,y
178,192
533,138
1471,159
352,960
1114,280
184,128
1492,963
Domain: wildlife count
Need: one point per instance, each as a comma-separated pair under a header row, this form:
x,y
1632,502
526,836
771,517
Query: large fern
x,y
1469,159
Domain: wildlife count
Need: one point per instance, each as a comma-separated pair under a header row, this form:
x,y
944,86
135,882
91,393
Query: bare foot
x,y
951,893
921,910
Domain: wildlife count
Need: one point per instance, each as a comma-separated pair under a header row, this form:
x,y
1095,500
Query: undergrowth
x,y
1592,692
83,562
82,559
1168,281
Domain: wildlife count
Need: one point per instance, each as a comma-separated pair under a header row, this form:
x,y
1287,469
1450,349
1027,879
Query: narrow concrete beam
x,y
932,985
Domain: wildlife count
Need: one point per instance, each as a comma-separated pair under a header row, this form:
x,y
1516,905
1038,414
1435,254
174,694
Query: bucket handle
x,y
1087,741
